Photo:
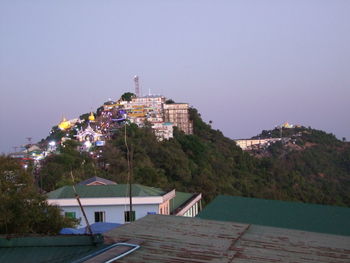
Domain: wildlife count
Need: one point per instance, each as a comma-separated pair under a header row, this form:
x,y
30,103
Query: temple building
x,y
65,124
92,117
89,135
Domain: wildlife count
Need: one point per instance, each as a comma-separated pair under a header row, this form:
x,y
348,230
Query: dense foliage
x,y
316,168
127,96
318,164
22,209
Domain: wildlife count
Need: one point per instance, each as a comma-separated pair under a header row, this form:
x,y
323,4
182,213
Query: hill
x,y
312,166
311,157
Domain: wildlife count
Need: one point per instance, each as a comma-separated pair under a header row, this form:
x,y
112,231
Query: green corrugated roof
x,y
292,215
90,191
48,249
179,199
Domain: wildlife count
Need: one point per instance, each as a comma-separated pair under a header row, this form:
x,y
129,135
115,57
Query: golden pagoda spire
x,y
92,117
64,124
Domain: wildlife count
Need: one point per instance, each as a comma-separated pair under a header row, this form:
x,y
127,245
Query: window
x,y
127,217
70,214
100,216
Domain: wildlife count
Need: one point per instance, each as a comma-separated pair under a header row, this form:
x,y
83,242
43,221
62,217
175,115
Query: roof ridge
x,y
100,191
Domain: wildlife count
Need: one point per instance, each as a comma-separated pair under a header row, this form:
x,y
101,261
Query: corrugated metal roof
x,y
179,200
90,191
293,215
269,244
47,249
180,239
175,239
96,179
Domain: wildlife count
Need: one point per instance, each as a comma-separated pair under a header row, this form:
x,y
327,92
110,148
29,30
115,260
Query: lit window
x,y
100,216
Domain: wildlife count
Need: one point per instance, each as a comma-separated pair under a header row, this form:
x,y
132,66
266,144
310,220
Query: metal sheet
x,y
180,239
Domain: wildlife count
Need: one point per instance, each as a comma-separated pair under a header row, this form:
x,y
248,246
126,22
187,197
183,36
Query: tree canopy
x,y
23,209
127,96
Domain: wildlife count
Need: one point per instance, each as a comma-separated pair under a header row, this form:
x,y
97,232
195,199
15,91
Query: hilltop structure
x,y
140,110
248,144
258,142
162,116
178,113
67,124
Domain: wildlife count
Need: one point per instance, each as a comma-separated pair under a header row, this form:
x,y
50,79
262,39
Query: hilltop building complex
x,y
162,116
153,110
94,129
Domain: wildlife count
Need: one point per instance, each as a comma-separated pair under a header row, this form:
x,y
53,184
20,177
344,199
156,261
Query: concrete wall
x,y
245,144
113,213
164,208
192,211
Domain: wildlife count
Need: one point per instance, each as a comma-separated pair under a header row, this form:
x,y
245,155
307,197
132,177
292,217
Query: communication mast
x,y
137,86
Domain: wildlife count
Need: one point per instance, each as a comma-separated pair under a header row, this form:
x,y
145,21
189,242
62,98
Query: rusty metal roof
x,y
270,244
181,239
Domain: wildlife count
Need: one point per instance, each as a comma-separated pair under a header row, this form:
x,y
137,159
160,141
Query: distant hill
x,y
312,166
311,157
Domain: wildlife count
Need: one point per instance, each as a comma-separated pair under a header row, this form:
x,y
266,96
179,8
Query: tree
x,y
56,169
22,209
127,96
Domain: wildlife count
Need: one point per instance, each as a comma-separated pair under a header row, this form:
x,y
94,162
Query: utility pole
x,y
129,156
88,227
130,188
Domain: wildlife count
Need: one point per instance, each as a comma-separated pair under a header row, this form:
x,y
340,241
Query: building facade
x,y
178,113
247,144
110,202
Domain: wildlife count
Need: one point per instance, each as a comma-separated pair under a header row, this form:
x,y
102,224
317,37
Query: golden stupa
x,y
287,125
64,124
92,117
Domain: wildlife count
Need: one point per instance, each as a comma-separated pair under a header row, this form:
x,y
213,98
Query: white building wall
x,y
192,211
113,213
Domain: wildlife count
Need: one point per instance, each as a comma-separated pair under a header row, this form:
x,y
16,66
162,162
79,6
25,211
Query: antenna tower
x,y
137,86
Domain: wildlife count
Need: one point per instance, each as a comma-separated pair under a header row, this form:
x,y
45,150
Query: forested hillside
x,y
314,167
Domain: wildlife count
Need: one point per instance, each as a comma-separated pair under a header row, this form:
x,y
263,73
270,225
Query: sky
x,y
245,65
